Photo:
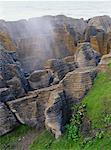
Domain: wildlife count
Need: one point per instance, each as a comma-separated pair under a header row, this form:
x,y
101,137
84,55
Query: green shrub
x,y
73,129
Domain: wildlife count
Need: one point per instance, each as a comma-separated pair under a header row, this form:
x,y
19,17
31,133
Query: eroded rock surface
x,y
86,56
59,67
39,79
56,112
11,74
31,108
7,120
63,82
105,61
78,82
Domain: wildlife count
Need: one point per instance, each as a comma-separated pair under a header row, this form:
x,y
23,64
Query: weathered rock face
x,y
16,87
105,60
86,56
6,94
73,75
101,22
44,38
77,83
48,106
12,75
59,67
7,120
56,112
31,108
98,33
39,79
39,39
98,39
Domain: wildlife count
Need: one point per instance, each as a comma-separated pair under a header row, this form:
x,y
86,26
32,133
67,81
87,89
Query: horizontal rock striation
x,y
53,67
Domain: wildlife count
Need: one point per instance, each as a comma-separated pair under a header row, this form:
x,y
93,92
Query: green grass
x,y
8,142
98,101
45,141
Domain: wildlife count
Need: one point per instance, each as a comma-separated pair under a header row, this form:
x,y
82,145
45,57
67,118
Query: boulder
x,y
86,55
55,113
77,83
7,120
39,79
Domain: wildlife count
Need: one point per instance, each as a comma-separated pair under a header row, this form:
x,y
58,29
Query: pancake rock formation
x,y
44,97
48,64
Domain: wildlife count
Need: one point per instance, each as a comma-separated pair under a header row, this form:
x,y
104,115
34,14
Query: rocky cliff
x,y
46,67
44,98
39,39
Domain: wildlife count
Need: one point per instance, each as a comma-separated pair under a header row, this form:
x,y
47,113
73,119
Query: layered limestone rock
x,y
101,22
56,112
11,73
98,39
98,33
39,39
77,83
39,79
105,61
59,67
30,109
86,55
7,120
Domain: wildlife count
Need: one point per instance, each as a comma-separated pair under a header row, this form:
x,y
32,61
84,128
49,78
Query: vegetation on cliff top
x,y
98,107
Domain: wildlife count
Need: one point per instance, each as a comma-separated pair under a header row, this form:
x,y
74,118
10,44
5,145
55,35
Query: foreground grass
x,y
9,141
45,141
98,101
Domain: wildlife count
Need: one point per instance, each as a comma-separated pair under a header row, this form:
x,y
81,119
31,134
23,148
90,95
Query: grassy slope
x,y
98,102
8,142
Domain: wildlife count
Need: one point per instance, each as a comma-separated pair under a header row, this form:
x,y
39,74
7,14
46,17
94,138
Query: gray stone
x,y
7,120
86,56
54,113
39,79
